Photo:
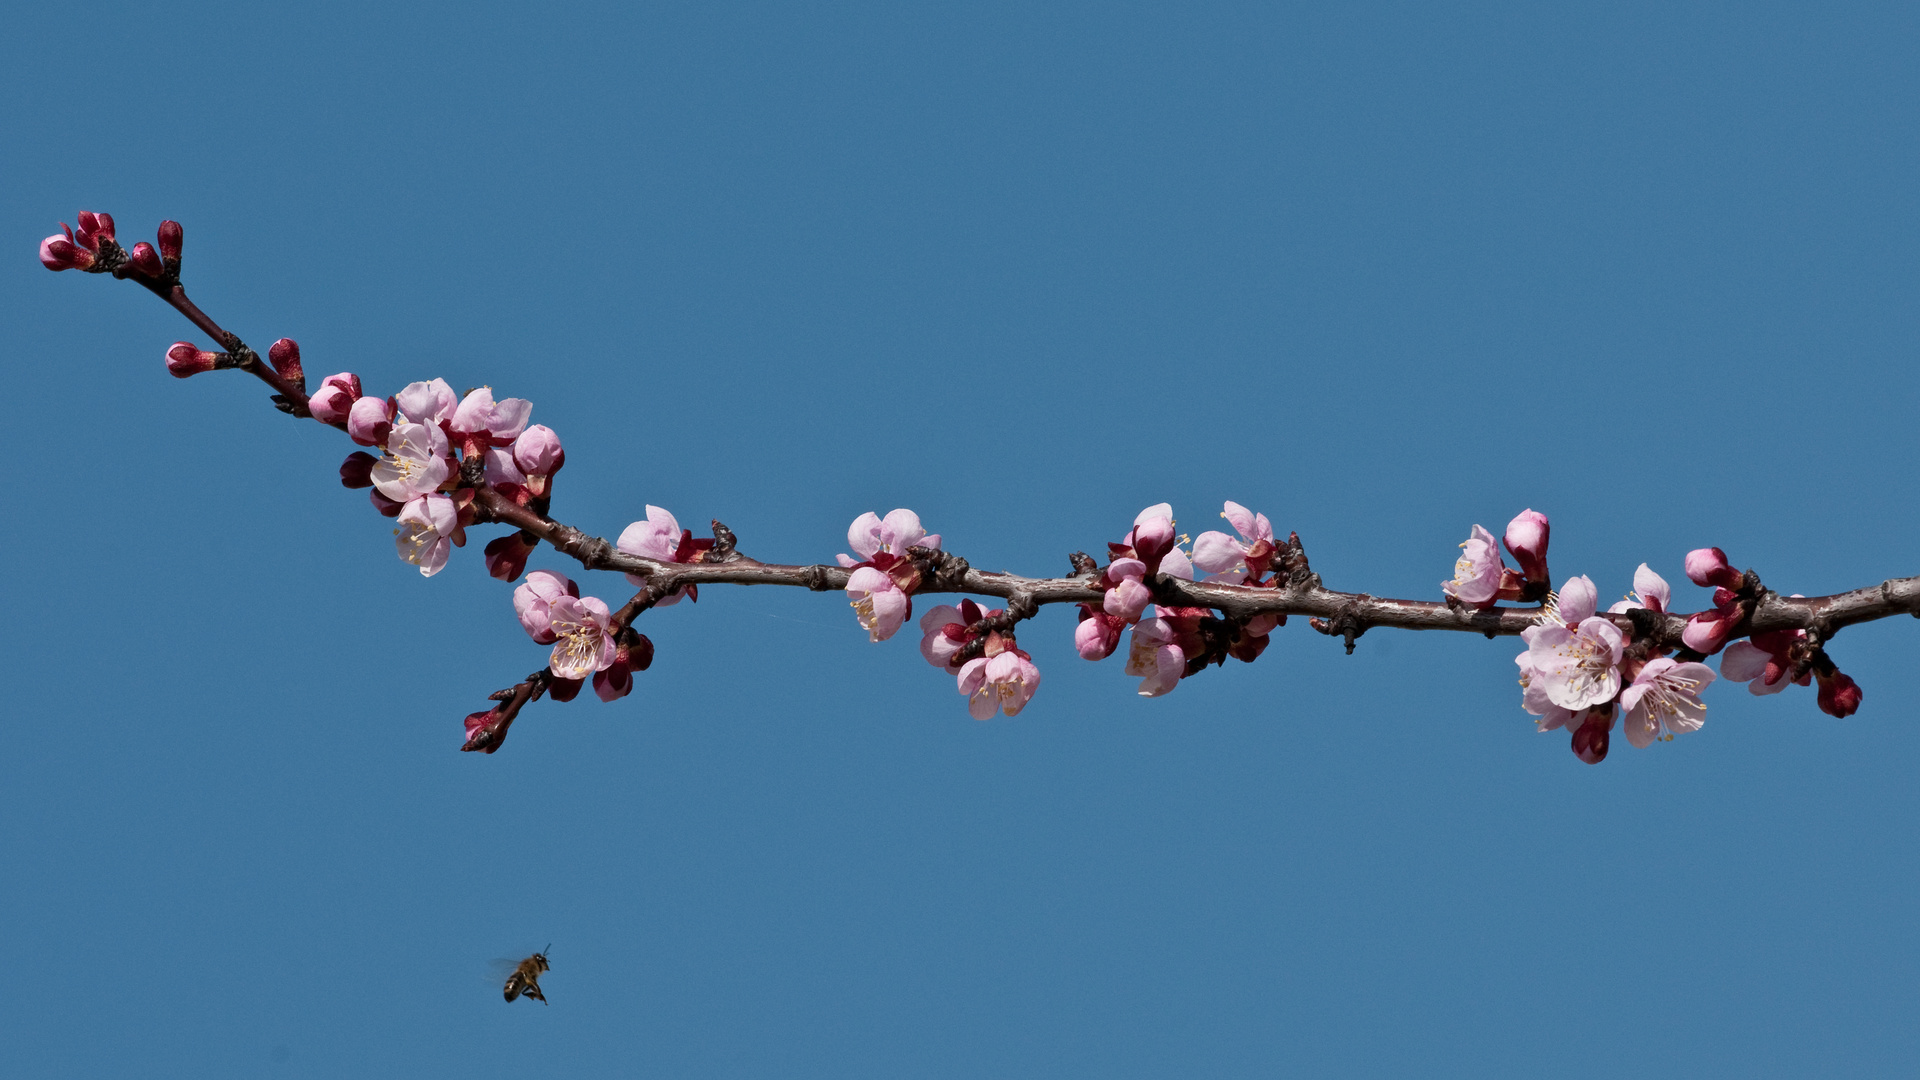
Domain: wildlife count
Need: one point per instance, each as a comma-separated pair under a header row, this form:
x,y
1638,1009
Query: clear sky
x,y
1381,271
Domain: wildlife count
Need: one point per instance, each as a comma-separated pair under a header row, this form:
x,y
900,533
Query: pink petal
x,y
1242,521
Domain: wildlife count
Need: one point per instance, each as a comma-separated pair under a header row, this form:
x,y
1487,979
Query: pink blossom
x,y
1003,682
584,629
428,403
1707,631
538,454
878,602
1526,538
1533,688
185,359
334,400
533,602
1097,634
370,421
1764,662
479,421
871,535
1157,656
428,528
1236,561
1650,591
1709,566
1664,700
414,464
945,631
1127,595
501,470
1477,573
661,539
1577,660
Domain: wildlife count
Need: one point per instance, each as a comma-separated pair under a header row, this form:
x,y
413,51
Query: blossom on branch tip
x,y
1236,561
185,359
414,464
1002,681
661,539
1477,573
429,527
335,400
1664,700
1526,538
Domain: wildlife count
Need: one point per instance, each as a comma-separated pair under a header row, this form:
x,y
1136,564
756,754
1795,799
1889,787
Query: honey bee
x,y
526,977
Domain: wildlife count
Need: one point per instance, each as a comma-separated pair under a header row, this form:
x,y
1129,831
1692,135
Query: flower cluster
x,y
1176,642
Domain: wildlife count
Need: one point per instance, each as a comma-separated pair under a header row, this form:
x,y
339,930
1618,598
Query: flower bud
x,y
170,238
537,451
564,689
507,556
184,360
1839,694
1706,632
59,252
1591,738
284,355
146,260
1152,539
1709,566
1097,635
1527,539
387,507
334,400
93,228
357,470
370,421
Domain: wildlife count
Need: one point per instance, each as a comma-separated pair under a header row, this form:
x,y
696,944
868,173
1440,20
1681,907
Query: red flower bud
x,y
184,360
1839,694
1709,566
507,556
170,238
387,507
146,260
1591,738
285,357
357,470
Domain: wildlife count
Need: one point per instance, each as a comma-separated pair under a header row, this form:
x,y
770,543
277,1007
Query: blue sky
x,y
1381,271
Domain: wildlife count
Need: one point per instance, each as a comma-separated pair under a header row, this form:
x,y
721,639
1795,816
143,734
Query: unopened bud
x,y
507,556
184,360
1709,566
334,400
1839,694
370,421
170,239
537,451
58,252
1527,539
357,470
146,260
1153,538
285,357
1591,738
387,507
93,228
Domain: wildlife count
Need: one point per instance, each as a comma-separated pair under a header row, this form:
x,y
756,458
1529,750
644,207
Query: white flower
x,y
424,538
1665,696
415,462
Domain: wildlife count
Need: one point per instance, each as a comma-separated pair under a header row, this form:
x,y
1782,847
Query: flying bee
x,y
526,977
